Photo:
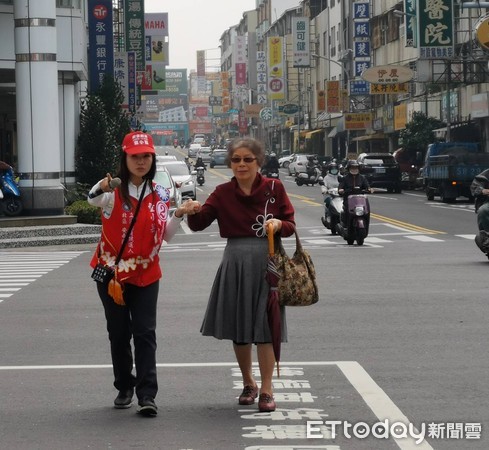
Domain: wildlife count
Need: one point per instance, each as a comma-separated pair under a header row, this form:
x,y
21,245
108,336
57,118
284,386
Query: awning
x,y
333,132
310,133
370,137
323,116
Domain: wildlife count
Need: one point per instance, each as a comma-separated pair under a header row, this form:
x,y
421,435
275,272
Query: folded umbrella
x,y
273,305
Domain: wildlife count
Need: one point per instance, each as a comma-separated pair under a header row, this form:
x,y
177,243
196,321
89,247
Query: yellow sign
x,y
400,116
398,88
482,32
357,121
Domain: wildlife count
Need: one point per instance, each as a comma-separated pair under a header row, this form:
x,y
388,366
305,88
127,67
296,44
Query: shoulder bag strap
x,y
131,226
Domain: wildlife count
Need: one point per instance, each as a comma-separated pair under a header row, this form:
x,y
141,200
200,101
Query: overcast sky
x,y
198,24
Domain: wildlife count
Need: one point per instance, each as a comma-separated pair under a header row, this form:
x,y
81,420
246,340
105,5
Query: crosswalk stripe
x,y
424,239
376,240
466,236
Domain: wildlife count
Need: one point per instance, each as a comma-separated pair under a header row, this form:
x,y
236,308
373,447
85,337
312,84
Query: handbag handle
x,y
271,244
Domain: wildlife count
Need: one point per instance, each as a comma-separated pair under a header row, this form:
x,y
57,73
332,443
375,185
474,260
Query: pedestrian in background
x,y
237,307
138,271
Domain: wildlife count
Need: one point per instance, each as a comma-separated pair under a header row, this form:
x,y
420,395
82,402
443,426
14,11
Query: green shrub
x,y
84,212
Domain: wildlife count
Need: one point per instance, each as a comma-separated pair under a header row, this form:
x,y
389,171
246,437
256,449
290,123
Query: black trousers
x,y
137,320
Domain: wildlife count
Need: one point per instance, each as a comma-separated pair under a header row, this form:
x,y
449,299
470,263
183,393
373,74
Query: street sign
x,y
266,113
388,74
290,108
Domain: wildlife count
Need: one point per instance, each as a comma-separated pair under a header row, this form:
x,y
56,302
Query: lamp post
x,y
345,81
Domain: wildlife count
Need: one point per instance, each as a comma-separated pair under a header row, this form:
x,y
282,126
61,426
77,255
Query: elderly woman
x,y
237,308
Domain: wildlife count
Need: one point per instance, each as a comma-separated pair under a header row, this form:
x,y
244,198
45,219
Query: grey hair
x,y
256,147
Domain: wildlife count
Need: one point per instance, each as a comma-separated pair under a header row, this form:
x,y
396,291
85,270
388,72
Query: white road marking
x,y
376,240
375,397
424,239
466,236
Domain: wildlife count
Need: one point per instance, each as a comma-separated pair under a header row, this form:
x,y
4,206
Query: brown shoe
x,y
248,395
266,403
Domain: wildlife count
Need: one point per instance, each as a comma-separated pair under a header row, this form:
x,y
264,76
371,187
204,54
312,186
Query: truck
x,y
450,167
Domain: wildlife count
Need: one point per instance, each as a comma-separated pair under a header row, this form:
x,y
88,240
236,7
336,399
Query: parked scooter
x,y
332,212
308,178
10,201
354,227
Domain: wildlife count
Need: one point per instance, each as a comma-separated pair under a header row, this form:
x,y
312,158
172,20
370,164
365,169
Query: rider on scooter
x,y
352,180
200,163
480,190
330,181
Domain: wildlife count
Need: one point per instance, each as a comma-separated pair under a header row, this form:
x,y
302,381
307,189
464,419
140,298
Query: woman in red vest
x,y
138,271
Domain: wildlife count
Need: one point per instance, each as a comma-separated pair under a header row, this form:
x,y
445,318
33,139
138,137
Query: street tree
x,y
103,125
419,132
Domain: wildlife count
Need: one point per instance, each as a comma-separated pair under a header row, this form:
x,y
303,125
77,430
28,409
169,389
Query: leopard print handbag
x,y
297,284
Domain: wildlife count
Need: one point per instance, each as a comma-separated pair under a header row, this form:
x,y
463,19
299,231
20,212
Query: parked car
x,y
182,177
193,149
284,161
218,158
164,179
205,154
381,170
298,163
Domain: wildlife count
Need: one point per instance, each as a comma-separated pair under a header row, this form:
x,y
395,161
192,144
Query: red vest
x,y
140,262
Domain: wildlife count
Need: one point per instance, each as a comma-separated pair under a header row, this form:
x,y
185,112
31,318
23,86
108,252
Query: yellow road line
x,y
406,225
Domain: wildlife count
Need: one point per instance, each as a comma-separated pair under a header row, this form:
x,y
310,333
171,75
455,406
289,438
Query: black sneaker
x,y
147,407
124,399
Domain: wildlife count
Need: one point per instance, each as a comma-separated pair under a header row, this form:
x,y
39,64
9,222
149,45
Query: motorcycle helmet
x,y
352,163
333,169
273,155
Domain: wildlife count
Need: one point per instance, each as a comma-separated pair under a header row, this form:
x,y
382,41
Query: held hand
x,y
485,191
277,225
188,207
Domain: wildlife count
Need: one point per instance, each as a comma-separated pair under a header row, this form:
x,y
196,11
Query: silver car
x,y
181,176
163,178
298,163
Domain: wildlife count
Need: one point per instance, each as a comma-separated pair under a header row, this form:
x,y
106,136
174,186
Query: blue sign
x,y
361,29
361,10
101,42
359,87
360,66
362,49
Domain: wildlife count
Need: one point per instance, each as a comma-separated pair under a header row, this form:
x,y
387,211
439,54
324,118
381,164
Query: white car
x,y
164,179
205,154
193,149
182,177
284,161
298,163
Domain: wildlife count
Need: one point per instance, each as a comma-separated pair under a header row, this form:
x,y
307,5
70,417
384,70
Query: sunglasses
x,y
246,159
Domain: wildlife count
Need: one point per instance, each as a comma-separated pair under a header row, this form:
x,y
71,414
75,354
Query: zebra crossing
x,y
19,269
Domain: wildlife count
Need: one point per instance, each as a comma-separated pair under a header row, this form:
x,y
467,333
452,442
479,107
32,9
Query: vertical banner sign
x,y
261,77
435,24
276,85
226,100
333,104
134,26
300,42
201,82
242,122
156,50
361,46
240,55
121,75
131,71
410,23
101,42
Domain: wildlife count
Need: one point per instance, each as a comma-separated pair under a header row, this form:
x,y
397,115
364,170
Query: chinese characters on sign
x,y
101,45
300,42
435,29
134,23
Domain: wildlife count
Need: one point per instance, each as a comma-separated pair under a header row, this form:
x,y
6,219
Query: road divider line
x,y
408,226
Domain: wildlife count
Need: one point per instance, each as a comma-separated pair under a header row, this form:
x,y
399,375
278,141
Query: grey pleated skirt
x,y
237,307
